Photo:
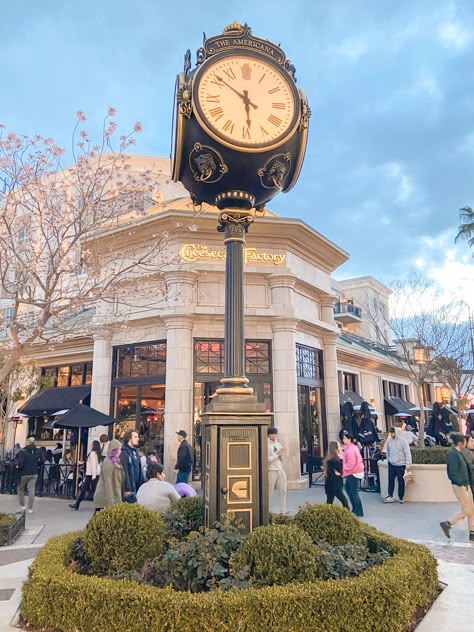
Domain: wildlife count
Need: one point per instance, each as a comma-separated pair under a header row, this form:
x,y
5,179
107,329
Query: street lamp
x,y
445,393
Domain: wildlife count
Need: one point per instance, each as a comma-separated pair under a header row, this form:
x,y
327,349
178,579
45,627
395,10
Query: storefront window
x,y
141,360
88,373
76,374
209,357
257,357
309,363
63,375
68,375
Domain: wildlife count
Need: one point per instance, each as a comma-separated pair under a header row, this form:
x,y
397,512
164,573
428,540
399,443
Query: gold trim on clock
x,y
247,94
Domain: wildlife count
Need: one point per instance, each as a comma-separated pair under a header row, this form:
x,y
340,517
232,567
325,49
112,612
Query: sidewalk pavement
x,y
414,521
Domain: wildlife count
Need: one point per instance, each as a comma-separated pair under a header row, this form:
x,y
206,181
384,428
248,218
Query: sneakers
x,y
73,507
22,508
401,501
446,527
389,499
29,510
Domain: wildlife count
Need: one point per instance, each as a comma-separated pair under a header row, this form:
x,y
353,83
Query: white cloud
x,y
455,35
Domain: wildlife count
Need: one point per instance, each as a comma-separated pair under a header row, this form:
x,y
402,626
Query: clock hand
x,y
247,111
244,96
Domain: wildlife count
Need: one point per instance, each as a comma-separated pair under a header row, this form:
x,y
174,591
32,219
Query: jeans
x,y
183,476
30,482
277,480
87,487
336,493
352,489
396,472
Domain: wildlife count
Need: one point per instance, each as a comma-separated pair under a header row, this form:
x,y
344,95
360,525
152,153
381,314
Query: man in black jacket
x,y
130,460
29,460
184,459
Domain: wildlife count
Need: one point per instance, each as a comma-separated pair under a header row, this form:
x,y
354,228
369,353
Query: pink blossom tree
x,y
51,268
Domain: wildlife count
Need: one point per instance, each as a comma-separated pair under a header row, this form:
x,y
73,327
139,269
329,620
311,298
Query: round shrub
x,y
121,537
183,517
278,554
329,523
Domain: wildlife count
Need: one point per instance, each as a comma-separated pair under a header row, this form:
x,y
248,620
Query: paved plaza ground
x,y
414,521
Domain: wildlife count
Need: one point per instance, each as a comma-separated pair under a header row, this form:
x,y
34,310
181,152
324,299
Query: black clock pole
x,y
234,223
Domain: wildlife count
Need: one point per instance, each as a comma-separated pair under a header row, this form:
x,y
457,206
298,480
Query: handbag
x,y
408,478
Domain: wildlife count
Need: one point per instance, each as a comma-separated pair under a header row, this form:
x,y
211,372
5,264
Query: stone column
x,y
101,380
331,387
179,386
327,303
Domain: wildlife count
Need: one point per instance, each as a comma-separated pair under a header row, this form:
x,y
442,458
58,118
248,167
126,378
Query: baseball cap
x,y
183,433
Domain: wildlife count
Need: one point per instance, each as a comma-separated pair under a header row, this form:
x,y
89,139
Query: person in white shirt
x,y
276,473
409,436
92,474
156,493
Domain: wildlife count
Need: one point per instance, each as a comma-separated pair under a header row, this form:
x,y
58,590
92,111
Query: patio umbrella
x,y
359,405
402,415
374,412
81,417
415,409
469,412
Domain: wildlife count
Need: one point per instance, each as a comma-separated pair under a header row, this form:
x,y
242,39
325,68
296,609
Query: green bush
x,y
329,523
278,518
121,537
183,517
6,519
54,597
200,562
278,554
349,560
429,456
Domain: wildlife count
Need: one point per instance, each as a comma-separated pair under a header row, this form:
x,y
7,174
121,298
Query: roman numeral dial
x,y
245,101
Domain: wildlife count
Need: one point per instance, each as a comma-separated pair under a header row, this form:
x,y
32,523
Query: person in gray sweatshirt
x,y
399,460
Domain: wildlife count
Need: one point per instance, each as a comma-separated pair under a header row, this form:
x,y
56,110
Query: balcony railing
x,y
341,309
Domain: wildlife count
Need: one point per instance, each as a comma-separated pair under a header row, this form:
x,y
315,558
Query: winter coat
x,y
459,472
352,460
29,461
184,459
110,486
367,432
333,482
130,460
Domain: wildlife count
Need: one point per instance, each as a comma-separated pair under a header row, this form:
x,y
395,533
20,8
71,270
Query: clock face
x,y
246,102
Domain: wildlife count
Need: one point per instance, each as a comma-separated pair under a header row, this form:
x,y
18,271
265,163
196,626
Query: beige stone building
x,y
155,356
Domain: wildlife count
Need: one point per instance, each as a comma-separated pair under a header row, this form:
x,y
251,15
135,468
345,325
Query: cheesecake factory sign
x,y
202,252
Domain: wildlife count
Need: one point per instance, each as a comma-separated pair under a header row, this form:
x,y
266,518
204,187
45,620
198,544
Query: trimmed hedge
x,y
278,554
429,456
329,523
55,597
121,537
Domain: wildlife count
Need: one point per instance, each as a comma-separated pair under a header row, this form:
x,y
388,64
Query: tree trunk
x,y
9,365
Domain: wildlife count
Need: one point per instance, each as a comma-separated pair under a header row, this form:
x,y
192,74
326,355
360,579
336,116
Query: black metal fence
x,y
54,480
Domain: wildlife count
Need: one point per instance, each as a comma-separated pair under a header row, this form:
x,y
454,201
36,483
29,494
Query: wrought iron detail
x,y
274,173
206,163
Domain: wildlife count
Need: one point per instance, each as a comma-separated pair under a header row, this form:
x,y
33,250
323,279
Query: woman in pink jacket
x,y
352,471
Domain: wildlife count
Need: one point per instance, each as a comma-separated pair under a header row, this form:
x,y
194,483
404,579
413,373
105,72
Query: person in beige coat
x,y
110,488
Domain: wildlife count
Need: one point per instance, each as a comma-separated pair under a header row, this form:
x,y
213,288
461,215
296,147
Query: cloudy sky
x,y
391,87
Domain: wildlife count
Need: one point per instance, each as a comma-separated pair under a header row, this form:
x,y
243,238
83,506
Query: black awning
x,y
394,405
350,396
51,400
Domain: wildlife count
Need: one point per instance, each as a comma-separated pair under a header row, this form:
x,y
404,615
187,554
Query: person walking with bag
x,y
399,459
459,473
352,471
92,474
334,483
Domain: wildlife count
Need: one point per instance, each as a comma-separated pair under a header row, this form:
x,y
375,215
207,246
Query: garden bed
x,y
11,527
56,597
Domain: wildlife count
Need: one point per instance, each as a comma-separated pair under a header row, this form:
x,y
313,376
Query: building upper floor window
x,y
140,359
209,357
394,389
309,363
350,382
68,374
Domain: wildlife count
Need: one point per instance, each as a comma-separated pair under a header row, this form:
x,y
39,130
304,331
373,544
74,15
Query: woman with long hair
x,y
92,474
334,483
352,471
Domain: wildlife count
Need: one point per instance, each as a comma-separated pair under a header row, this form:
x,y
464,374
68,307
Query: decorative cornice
x,y
281,281
189,277
284,324
178,321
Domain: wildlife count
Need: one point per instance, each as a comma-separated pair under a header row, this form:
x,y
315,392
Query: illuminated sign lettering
x,y
201,252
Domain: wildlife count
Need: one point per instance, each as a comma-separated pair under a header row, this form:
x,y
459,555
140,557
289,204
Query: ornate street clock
x,y
241,123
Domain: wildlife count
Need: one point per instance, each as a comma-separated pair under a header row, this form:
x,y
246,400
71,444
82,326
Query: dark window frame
x,y
55,373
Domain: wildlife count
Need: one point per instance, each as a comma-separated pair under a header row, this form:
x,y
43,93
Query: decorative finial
x,y
233,27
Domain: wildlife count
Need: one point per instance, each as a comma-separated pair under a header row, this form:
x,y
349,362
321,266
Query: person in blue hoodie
x,y
130,460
